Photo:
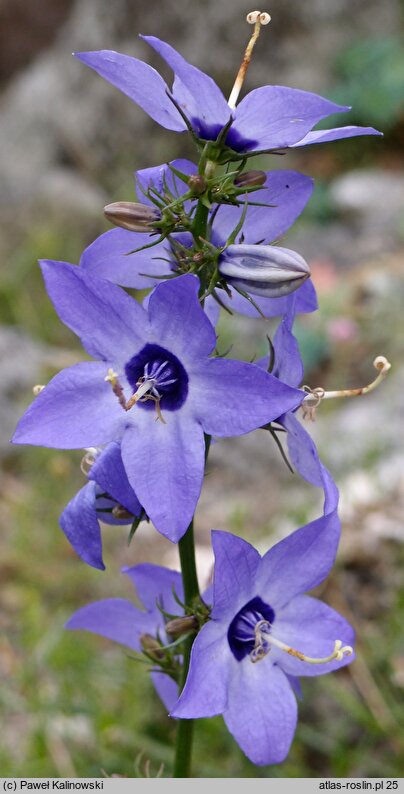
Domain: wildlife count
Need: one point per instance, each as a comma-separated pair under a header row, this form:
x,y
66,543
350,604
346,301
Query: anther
x,y
263,641
256,18
37,389
315,396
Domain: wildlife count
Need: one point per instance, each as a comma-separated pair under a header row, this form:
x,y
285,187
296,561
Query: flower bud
x,y
151,646
263,269
250,179
197,184
179,626
132,216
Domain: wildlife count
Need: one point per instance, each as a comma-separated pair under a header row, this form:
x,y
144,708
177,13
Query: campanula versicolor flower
x,y
268,118
154,388
119,620
263,631
107,497
284,196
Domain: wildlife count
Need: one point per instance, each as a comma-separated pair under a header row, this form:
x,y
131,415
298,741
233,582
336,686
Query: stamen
x,y
316,396
256,18
142,393
263,641
37,389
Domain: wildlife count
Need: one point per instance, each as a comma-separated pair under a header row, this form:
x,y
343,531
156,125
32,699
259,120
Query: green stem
x,y
185,728
200,223
183,748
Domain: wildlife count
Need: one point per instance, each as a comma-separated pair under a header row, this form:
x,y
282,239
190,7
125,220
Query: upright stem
x,y
200,222
185,728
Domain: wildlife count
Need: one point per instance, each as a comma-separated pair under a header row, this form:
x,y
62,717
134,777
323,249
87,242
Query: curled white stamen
x,y
37,389
263,638
256,18
315,396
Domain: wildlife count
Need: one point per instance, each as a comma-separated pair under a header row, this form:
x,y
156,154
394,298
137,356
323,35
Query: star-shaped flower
x,y
264,633
268,118
154,388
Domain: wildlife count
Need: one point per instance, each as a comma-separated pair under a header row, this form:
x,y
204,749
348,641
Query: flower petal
x,y
178,320
165,464
236,564
155,585
310,626
205,690
231,397
166,688
287,191
76,409
83,303
114,618
109,473
80,524
273,117
322,136
304,457
299,562
262,711
139,81
288,361
200,98
109,257
162,177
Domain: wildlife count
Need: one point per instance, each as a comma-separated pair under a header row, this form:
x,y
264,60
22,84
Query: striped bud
x,y
132,216
264,270
250,179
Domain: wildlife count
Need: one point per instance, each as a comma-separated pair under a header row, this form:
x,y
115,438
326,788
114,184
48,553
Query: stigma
x,y
315,396
264,640
256,18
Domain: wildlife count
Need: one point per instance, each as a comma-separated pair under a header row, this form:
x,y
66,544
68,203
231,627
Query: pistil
x,y
316,396
256,18
264,639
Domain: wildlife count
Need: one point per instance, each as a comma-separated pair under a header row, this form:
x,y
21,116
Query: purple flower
x,y
108,497
119,620
153,388
287,193
262,635
268,118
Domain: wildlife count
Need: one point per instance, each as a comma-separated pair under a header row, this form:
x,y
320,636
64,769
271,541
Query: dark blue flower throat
x,y
241,634
164,374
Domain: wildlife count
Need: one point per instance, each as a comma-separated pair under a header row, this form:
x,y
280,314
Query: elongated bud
x,y
151,646
197,184
250,179
132,216
264,270
179,626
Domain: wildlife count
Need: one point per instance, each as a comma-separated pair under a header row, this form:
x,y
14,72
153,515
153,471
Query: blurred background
x,y
74,705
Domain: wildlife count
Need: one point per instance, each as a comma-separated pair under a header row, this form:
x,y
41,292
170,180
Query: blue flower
x,y
264,634
154,389
268,118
